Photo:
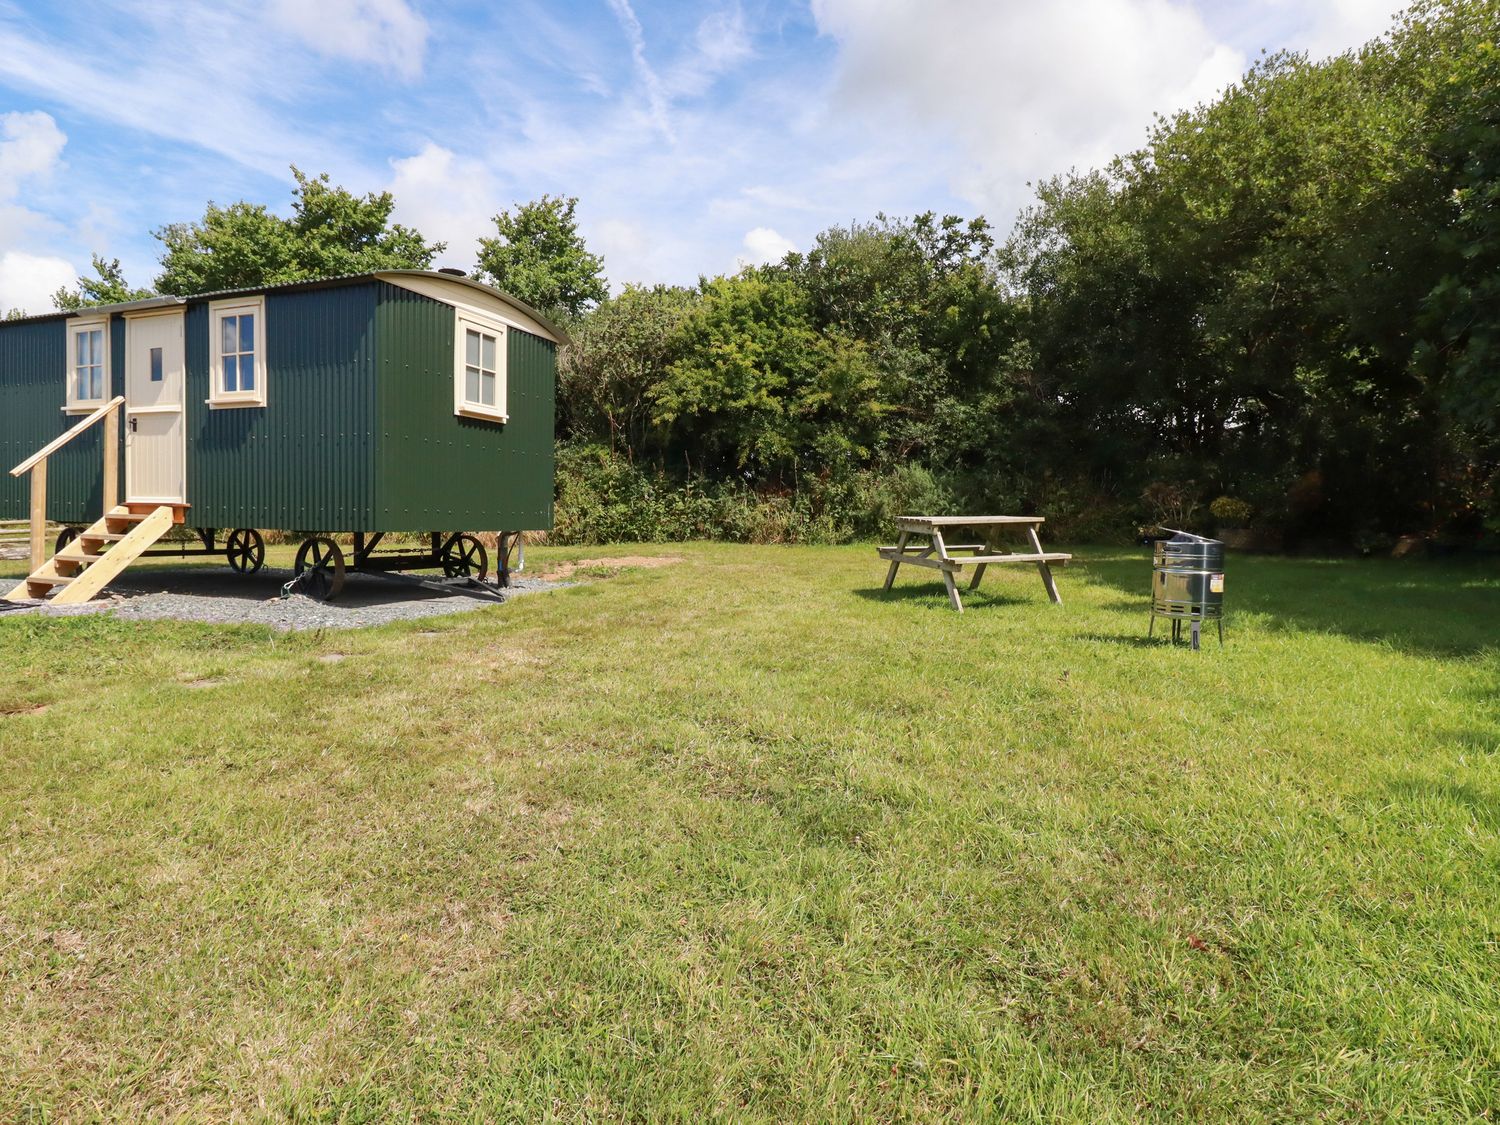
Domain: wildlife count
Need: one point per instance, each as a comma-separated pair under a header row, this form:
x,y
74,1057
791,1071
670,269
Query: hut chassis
x,y
321,564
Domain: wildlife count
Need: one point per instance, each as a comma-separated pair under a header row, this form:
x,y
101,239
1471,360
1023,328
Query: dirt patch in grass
x,y
24,708
606,568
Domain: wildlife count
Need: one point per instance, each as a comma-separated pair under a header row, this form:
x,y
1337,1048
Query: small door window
x,y
156,368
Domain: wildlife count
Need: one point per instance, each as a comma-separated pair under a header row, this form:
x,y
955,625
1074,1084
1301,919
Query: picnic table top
x,y
967,521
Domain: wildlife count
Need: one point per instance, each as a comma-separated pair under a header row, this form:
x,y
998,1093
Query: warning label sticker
x,y
1215,583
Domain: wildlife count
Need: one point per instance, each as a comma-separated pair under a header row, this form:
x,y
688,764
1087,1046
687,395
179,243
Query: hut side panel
x,y
33,370
441,471
306,460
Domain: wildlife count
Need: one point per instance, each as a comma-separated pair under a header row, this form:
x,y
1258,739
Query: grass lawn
x,y
745,838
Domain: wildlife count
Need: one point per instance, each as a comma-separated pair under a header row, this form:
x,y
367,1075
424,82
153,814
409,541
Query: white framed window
x,y
479,370
237,352
88,365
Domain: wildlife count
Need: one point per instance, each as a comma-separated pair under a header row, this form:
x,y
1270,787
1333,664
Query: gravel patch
x,y
217,596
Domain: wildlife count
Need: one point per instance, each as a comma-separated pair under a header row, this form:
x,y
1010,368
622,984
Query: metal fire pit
x,y
1187,583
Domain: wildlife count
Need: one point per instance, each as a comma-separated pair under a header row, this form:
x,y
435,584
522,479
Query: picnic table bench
x,y
940,555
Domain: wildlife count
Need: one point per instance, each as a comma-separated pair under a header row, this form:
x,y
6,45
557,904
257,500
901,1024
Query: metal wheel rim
x,y
320,565
464,557
245,550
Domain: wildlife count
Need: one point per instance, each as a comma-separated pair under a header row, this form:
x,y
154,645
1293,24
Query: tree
x,y
330,232
760,390
235,247
539,256
338,233
1241,303
923,296
1463,309
618,355
107,287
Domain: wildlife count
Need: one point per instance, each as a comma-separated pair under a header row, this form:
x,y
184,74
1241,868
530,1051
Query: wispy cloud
x,y
384,32
656,97
231,102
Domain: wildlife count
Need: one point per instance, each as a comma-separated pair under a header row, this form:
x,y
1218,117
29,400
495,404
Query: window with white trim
x,y
237,345
88,364
479,370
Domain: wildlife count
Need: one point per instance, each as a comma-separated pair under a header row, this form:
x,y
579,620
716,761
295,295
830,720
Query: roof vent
x,y
451,272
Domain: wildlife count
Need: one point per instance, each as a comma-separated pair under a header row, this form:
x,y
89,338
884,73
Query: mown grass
x,y
745,838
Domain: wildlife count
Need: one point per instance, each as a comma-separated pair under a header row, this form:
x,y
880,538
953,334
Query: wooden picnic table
x,y
941,555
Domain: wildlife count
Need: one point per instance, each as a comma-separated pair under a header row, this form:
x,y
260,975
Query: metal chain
x,y
294,585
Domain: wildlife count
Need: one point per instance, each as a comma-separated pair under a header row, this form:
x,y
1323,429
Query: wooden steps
x,y
100,553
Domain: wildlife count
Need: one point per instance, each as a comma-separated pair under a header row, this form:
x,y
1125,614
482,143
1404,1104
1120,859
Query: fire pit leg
x,y
1195,634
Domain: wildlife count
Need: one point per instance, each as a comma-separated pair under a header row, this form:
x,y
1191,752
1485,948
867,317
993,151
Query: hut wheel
x,y
320,565
64,537
245,550
465,557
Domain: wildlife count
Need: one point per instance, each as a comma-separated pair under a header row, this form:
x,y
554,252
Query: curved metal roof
x,y
168,300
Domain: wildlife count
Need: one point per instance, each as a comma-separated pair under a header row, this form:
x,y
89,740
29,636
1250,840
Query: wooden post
x,y
38,515
111,460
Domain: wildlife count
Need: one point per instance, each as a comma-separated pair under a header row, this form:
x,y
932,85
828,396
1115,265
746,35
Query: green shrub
x,y
1231,512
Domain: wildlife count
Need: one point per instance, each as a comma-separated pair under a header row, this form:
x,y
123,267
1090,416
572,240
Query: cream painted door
x,y
155,430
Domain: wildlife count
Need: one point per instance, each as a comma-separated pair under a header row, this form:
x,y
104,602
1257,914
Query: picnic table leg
x,y
952,591
942,554
890,575
1043,568
978,574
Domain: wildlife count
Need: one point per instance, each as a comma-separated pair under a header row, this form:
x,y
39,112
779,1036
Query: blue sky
x,y
696,135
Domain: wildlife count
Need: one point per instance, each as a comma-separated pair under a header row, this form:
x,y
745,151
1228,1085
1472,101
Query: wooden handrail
x,y
58,442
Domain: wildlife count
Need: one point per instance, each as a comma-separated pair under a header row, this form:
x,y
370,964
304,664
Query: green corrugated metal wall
x,y
437,470
306,461
33,374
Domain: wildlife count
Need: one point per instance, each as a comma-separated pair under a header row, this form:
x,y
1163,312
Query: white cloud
x,y
1331,27
763,245
1021,90
27,281
448,197
384,32
31,146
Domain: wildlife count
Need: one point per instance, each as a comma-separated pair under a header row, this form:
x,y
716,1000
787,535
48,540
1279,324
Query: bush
x,y
1230,512
603,498
1170,505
